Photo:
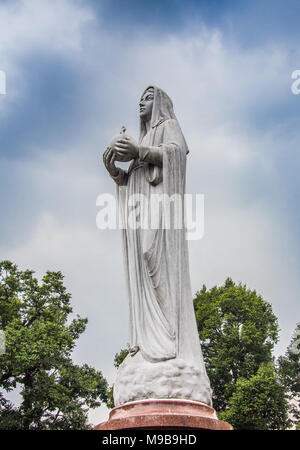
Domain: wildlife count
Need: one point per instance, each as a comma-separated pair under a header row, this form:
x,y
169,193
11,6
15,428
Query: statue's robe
x,y
161,314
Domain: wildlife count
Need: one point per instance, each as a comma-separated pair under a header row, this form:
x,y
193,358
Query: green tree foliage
x,y
55,392
238,330
119,358
258,403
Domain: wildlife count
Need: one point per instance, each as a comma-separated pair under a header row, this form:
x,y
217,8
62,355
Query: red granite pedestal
x,y
163,414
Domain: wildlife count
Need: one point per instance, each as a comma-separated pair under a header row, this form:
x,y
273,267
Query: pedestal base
x,y
163,414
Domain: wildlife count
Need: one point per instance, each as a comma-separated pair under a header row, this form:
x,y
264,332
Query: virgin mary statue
x,y
165,358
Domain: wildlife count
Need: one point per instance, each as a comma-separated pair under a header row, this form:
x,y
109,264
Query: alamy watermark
x,y
2,82
295,87
158,211
2,342
295,345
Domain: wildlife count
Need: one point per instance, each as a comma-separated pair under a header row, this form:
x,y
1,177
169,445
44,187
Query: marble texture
x,y
164,415
166,359
172,379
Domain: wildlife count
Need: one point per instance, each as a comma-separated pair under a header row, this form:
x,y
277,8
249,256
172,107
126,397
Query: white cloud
x,y
30,25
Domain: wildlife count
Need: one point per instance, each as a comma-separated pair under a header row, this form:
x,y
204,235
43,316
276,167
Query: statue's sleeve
x,y
152,155
122,177
171,137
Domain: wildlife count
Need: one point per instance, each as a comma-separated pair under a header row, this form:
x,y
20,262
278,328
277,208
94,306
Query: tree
x,y
289,373
40,338
237,330
119,358
258,403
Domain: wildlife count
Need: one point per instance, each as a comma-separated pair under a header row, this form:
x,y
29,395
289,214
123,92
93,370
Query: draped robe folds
x,y
161,315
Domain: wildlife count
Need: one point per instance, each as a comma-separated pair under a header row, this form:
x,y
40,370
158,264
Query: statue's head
x,y
146,104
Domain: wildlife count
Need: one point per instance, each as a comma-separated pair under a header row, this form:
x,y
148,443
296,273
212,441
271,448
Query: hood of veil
x,y
162,110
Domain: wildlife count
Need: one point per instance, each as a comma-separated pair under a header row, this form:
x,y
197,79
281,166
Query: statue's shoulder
x,y
170,123
171,120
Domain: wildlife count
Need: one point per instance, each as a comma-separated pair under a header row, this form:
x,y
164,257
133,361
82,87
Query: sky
x,y
75,70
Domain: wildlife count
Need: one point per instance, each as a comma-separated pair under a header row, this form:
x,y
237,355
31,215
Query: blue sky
x,y
75,70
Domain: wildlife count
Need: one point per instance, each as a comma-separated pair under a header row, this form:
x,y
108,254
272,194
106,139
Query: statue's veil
x,y
162,110
162,318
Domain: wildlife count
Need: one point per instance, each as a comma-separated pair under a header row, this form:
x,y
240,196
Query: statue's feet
x,y
133,350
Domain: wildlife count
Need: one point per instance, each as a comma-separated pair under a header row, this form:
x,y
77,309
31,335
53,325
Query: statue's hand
x,y
127,147
109,162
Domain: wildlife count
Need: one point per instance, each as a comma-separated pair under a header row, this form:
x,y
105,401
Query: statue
x,y
165,359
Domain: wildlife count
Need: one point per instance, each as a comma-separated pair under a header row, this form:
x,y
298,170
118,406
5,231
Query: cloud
x,y
51,25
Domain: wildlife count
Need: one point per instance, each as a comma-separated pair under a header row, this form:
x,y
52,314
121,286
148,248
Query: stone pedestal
x,y
162,414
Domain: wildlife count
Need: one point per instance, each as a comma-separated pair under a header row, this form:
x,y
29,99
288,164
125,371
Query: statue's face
x,y
146,104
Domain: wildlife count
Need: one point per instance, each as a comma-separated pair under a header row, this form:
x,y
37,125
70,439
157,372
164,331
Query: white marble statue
x,y
165,359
